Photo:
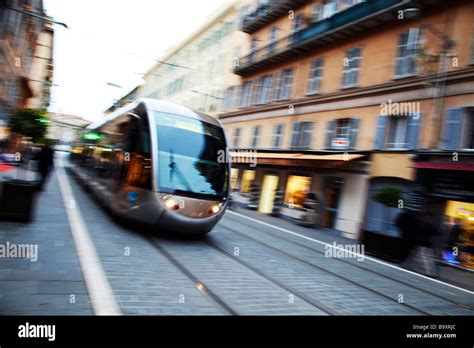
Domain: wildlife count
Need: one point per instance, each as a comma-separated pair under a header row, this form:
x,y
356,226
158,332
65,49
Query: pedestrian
x,y
45,164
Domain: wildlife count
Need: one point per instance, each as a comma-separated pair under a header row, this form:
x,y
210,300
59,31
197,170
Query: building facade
x,y
41,74
25,57
196,72
341,98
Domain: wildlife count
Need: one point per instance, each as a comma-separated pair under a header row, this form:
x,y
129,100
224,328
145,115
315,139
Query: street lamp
x,y
38,16
440,85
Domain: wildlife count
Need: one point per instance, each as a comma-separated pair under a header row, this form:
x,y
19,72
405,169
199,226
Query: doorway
x,y
332,193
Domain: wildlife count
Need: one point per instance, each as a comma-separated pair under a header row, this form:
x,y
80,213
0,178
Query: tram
x,y
157,163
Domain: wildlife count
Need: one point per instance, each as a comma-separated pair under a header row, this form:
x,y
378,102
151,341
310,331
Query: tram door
x,y
267,196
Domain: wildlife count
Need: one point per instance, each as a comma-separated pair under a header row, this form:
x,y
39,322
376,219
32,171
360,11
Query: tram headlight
x,y
215,209
170,203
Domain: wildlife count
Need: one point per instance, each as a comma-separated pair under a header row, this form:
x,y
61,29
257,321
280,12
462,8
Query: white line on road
x,y
332,246
100,292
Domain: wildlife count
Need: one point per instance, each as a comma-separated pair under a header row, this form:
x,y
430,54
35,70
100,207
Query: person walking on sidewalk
x,y
45,163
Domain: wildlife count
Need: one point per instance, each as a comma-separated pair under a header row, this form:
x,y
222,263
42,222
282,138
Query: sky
x,y
112,42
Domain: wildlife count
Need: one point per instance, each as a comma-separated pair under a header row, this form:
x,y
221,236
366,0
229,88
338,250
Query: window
x,y
351,67
247,179
246,88
398,132
316,11
408,44
301,135
315,76
297,188
228,98
397,129
277,136
342,133
330,8
272,40
253,46
264,96
255,136
256,91
458,131
283,85
236,138
297,26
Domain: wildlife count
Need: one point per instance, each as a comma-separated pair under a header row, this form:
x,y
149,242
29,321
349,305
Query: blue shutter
x,y
330,133
413,131
380,133
452,129
354,132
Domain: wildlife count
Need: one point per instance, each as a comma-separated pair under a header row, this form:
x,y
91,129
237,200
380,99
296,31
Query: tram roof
x,y
160,106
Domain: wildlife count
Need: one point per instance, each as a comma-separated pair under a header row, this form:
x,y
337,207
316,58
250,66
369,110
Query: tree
x,y
389,197
29,123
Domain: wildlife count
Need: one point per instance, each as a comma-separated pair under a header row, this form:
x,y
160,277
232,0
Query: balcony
x,y
266,13
348,23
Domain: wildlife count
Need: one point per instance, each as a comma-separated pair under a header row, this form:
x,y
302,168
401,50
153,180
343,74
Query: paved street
x,y
249,265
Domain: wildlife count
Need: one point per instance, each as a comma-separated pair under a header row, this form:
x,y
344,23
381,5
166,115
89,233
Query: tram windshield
x,y
189,151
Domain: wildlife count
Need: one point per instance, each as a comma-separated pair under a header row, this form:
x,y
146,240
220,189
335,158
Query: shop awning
x,y
444,166
294,158
299,156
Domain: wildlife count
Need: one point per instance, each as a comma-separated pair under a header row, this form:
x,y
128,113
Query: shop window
x,y
234,177
297,188
247,179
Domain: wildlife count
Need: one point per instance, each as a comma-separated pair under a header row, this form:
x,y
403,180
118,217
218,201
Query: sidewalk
x,y
53,284
448,273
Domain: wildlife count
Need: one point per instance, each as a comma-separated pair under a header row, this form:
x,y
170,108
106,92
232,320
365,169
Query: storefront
x,y
449,198
337,182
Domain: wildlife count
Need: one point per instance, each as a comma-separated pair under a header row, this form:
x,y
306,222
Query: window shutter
x,y
354,131
380,133
413,131
330,133
452,129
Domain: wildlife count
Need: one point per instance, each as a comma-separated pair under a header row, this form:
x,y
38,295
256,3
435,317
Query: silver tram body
x,y
158,163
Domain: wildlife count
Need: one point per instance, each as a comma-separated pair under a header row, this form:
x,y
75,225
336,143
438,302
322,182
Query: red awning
x,y
443,166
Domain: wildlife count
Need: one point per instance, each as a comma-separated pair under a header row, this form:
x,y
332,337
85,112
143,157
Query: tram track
x,y
278,236
192,277
414,308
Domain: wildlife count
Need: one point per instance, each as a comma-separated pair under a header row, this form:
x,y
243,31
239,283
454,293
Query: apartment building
x,y
343,97
196,72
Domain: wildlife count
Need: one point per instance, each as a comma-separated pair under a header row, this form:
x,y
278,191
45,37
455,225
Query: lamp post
x,y
45,18
440,83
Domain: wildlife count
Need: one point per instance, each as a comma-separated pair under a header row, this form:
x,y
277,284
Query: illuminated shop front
x,y
297,189
293,178
449,191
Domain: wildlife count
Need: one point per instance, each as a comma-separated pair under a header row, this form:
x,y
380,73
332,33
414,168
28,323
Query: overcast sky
x,y
105,43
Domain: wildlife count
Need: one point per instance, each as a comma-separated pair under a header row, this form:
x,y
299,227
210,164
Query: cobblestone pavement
x,y
245,266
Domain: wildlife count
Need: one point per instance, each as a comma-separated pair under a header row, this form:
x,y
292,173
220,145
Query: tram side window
x,y
137,144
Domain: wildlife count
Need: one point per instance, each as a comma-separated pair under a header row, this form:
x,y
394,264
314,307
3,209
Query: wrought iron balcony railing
x,y
341,25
